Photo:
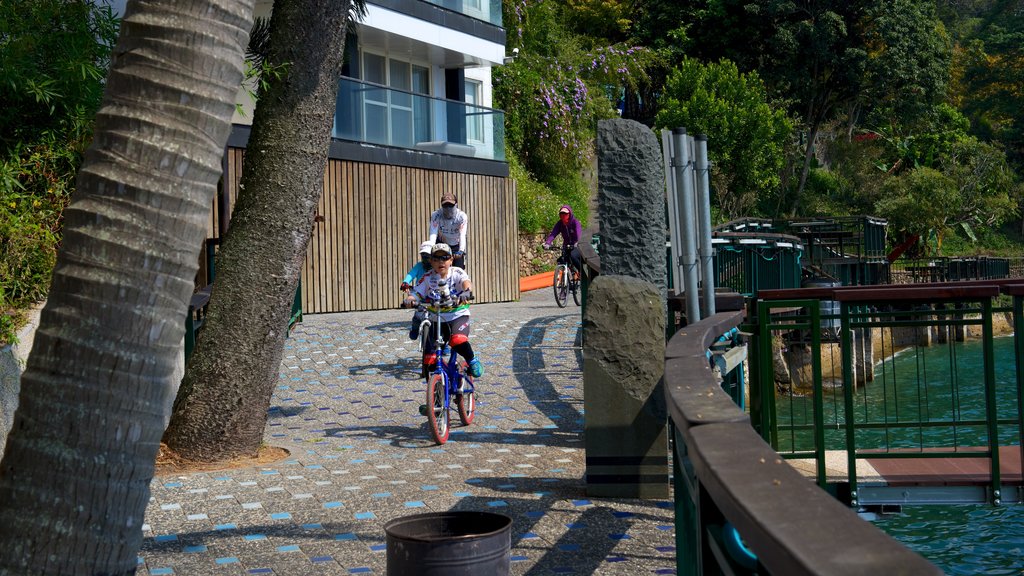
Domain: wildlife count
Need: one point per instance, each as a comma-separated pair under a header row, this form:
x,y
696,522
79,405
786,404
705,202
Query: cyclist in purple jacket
x,y
571,230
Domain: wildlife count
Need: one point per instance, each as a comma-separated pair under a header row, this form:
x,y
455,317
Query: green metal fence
x,y
893,373
747,264
739,509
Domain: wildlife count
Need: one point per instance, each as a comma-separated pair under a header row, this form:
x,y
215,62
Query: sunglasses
x,y
441,258
448,205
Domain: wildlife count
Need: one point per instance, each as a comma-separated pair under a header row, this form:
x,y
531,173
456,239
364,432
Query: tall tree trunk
x,y
221,408
74,480
818,117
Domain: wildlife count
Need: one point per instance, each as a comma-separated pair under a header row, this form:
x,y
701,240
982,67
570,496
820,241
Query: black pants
x,y
574,257
459,261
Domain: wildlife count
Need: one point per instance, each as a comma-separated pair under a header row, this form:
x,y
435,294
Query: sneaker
x,y
476,369
423,409
414,333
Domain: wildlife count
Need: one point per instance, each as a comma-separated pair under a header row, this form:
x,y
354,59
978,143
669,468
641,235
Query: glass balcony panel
x,y
401,128
422,117
376,124
486,10
378,115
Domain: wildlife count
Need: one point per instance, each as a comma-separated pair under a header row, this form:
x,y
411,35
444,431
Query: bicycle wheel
x,y
465,401
437,413
574,287
561,285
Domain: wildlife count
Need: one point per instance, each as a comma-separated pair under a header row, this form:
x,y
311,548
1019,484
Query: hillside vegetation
x,y
906,109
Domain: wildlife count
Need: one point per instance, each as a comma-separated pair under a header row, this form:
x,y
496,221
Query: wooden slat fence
x,y
371,221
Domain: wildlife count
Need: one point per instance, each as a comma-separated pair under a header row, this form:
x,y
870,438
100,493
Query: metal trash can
x,y
450,543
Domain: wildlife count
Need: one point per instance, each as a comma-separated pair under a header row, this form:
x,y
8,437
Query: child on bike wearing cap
x,y
413,278
448,226
454,287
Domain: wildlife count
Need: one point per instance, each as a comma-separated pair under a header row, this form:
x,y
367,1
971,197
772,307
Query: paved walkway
x,y
361,455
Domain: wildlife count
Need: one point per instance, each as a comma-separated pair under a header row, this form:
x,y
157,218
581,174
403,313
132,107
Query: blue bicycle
x,y
450,382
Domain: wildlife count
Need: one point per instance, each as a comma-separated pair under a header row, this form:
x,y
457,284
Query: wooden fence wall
x,y
371,221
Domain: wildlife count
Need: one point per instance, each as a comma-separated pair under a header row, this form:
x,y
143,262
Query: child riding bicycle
x,y
571,231
413,278
454,289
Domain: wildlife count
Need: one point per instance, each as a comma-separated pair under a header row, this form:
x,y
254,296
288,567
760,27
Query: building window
x,y
400,116
474,114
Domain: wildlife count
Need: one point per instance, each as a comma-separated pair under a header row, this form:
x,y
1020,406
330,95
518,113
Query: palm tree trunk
x,y
260,259
74,480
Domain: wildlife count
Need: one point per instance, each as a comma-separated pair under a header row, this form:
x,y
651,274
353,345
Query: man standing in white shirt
x,y
448,226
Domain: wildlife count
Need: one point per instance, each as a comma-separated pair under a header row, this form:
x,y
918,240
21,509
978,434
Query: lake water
x,y
931,384
964,539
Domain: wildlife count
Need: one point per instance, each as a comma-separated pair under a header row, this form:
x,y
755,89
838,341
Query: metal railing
x,y
385,116
739,508
951,269
748,262
855,378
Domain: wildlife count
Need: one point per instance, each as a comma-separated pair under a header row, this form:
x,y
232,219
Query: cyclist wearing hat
x,y
455,289
571,230
413,278
448,226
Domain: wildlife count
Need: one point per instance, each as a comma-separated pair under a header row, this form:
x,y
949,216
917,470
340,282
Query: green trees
x,y
53,57
75,475
972,187
836,63
746,135
556,90
991,78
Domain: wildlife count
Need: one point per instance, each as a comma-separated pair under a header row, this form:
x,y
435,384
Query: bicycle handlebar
x,y
436,299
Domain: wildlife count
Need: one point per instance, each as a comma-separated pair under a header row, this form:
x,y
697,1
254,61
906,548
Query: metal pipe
x,y
671,195
702,169
687,223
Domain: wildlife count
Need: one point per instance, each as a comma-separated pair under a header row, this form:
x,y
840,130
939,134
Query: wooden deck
x,y
925,480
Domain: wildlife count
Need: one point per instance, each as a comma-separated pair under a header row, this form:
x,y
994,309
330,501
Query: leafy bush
x,y
54,58
539,203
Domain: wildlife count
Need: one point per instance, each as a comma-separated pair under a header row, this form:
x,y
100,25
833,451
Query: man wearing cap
x,y
571,230
448,226
454,287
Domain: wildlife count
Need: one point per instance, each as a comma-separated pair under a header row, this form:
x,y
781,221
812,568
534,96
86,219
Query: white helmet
x,y
425,247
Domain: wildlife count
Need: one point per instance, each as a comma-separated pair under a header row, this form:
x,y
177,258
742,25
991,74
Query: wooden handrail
x,y
794,527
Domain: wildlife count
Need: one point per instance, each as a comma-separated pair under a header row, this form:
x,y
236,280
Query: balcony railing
x,y
377,114
486,10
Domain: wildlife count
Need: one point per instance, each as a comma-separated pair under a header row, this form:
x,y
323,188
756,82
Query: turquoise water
x,y
937,384
966,539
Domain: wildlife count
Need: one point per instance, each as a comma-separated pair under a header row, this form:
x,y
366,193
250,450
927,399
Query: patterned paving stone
x,y
346,407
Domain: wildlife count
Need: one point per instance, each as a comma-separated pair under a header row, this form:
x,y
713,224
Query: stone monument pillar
x,y
624,349
631,201
624,425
